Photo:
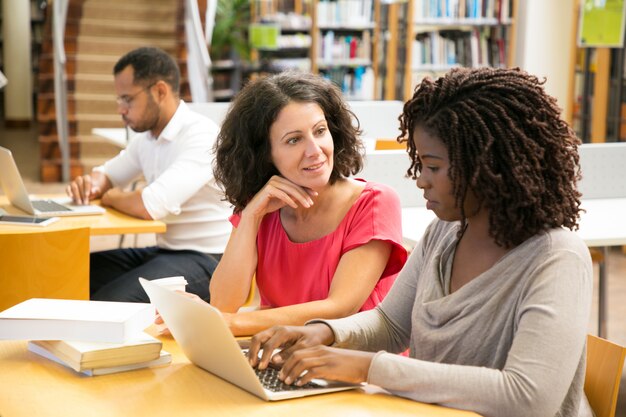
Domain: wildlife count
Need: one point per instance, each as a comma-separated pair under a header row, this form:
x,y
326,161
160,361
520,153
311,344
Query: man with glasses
x,y
173,152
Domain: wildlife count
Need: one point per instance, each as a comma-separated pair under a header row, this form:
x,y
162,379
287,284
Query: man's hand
x,y
88,187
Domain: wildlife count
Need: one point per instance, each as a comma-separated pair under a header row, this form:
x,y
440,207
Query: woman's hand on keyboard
x,y
287,339
328,363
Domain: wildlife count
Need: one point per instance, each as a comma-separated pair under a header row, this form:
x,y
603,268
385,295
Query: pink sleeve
x,y
379,217
234,219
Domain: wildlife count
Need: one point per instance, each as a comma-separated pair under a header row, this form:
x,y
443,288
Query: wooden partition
x,y
44,264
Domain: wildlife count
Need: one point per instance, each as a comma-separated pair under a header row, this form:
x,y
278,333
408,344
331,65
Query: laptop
x,y
207,341
14,188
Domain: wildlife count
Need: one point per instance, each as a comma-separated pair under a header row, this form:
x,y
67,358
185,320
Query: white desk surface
x,y
603,223
114,135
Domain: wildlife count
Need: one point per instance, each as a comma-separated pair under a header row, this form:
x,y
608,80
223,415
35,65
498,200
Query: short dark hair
x,y
243,152
150,64
507,144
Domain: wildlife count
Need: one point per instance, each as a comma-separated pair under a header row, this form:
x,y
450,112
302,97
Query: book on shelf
x,y
445,49
163,358
90,321
80,355
344,12
462,9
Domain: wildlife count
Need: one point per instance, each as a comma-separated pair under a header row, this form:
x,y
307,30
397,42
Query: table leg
x,y
602,287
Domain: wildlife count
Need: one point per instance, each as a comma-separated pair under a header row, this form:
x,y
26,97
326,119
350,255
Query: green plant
x,y
230,33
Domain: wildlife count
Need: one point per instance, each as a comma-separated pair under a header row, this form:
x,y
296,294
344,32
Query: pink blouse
x,y
293,273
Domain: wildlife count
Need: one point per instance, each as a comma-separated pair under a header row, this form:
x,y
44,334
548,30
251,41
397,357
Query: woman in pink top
x,y
319,243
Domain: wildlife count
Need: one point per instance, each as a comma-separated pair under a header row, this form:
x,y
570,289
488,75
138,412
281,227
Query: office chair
x,y
253,300
605,361
388,144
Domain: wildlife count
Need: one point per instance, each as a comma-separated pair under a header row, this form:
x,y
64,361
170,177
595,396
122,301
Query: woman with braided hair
x,y
494,302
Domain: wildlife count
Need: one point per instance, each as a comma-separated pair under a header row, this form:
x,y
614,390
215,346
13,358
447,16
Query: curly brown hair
x,y
243,162
506,143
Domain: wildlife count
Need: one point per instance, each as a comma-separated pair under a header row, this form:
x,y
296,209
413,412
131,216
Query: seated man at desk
x,y
172,151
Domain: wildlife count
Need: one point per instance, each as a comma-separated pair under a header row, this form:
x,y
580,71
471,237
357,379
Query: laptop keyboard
x,y
269,380
48,206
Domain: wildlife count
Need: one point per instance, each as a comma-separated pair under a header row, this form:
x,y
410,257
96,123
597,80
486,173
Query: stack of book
x,y
91,337
100,358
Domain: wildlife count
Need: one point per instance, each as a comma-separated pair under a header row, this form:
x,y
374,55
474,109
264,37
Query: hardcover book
x,y
80,355
164,358
90,321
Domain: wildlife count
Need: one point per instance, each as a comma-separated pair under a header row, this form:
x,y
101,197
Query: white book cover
x,y
163,359
90,321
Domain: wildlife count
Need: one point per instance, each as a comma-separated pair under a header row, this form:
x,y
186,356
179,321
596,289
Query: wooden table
x,y
61,268
112,222
33,386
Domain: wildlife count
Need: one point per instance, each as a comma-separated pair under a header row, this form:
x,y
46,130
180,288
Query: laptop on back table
x,y
13,186
207,341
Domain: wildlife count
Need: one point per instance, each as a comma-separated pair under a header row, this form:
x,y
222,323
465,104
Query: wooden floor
x,y
23,143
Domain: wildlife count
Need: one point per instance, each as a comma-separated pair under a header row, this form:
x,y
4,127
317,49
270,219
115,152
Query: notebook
x,y
14,188
207,341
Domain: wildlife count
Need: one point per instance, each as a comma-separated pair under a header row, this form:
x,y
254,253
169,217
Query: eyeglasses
x,y
126,100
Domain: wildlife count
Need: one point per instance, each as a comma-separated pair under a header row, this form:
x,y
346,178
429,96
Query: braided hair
x,y
506,143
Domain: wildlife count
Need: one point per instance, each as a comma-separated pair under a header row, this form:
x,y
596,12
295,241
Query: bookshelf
x,y
597,109
345,37
229,49
334,38
38,9
280,35
226,75
393,28
443,34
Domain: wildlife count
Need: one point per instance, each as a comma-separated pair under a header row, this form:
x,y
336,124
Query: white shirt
x,y
181,188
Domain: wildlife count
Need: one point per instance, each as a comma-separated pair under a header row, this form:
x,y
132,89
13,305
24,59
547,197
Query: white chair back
x,y
603,167
389,167
378,118
215,111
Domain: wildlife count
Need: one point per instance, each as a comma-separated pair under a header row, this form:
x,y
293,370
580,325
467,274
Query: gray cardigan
x,y
509,343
